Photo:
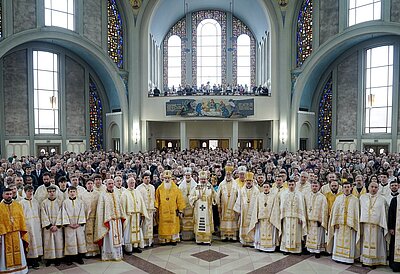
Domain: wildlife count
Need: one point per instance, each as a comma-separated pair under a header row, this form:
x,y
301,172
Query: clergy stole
x,y
317,211
345,213
73,212
12,226
266,213
292,211
373,217
203,216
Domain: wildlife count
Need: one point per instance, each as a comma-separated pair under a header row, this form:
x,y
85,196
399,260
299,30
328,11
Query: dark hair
x,y
72,188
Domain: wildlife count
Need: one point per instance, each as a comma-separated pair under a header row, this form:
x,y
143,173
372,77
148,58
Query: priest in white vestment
x,y
266,220
108,228
134,212
344,227
148,194
186,186
373,222
53,236
293,216
201,198
32,219
41,193
74,219
317,220
244,206
118,188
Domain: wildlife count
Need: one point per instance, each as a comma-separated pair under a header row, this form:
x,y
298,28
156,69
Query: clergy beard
x,y
8,200
167,185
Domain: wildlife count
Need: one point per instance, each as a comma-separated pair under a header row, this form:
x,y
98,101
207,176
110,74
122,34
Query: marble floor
x,y
221,257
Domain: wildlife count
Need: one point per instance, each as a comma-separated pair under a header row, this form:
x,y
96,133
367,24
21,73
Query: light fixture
x,y
371,99
283,3
53,101
136,134
283,135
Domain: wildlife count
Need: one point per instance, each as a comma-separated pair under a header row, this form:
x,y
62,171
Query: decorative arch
x,y
328,52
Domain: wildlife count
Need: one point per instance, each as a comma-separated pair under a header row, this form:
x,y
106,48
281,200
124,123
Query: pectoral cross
x,y
202,207
265,204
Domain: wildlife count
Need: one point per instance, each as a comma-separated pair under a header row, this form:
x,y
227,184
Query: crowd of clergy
x,y
64,208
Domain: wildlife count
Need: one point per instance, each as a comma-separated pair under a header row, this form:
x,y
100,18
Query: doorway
x,y
378,149
48,149
168,143
210,144
250,143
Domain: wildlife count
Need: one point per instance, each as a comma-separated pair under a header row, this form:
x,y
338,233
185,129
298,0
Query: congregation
x,y
64,208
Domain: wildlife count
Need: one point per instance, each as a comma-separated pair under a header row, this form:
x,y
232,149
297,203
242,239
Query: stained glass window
x,y
304,32
179,29
115,34
220,18
96,117
239,28
325,117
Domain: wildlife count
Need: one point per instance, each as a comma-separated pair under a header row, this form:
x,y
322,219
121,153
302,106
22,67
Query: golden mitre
x,y
203,174
249,176
167,174
229,169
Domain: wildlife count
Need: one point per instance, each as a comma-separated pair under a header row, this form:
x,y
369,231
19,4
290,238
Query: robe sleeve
x,y
392,214
143,209
236,207
193,197
44,217
180,200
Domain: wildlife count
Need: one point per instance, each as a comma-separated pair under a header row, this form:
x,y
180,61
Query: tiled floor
x,y
187,257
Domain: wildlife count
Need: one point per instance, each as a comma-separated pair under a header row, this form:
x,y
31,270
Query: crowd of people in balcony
x,y
207,89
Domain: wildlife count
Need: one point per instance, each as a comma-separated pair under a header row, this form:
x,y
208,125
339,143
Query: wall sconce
x,y
283,136
136,134
371,99
283,3
53,102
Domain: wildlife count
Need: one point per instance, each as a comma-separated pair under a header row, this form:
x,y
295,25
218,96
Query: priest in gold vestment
x,y
13,235
332,194
108,228
201,198
293,216
186,186
244,206
227,194
266,220
344,227
373,222
169,204
317,220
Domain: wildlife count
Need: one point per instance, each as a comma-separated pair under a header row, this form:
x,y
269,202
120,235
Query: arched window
x,y
325,117
208,52
378,75
244,50
179,30
363,11
46,92
115,34
304,32
243,60
59,13
174,61
96,117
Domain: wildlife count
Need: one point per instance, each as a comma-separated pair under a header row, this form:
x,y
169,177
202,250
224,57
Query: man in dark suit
x,y
38,174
